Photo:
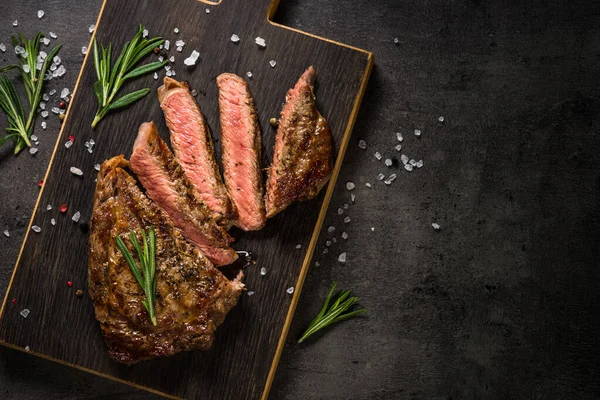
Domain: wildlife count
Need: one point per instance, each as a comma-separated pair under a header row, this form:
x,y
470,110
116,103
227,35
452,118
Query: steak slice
x,y
192,296
193,147
240,138
168,186
302,158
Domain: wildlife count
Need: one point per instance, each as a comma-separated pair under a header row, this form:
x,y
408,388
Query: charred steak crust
x,y
192,296
241,143
167,184
194,148
303,154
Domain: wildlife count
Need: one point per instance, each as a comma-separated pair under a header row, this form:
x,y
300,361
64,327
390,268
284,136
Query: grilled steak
x,y
193,147
302,159
240,138
192,296
166,184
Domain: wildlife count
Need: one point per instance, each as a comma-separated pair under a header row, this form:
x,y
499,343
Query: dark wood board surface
x,y
61,326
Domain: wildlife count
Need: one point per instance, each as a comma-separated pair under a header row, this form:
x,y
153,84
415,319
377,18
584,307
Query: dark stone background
x,y
503,302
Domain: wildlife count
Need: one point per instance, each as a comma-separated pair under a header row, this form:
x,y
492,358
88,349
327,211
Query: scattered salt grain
x,y
404,158
91,28
84,50
346,206
331,229
250,293
145,33
272,63
45,41
419,164
390,179
388,162
180,43
179,49
362,144
350,186
19,50
441,118
417,132
26,348
353,197
317,264
25,313
340,211
16,23
48,207
56,60
172,59
408,167
36,229
263,271
52,35
59,72
33,150
64,93
76,171
191,60
42,105
207,10
399,136
44,125
97,167
76,216
380,177
235,38
7,233
372,229
413,162
55,110
398,147
45,114
368,185
345,235
396,40
26,68
347,220
176,30
260,41
53,91
298,246
328,243
45,97
342,258
68,144
249,74
290,290
436,226
377,155
53,221
40,14
156,75
2,47
325,251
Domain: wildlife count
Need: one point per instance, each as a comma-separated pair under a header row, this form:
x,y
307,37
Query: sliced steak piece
x,y
192,296
240,138
302,159
193,147
166,184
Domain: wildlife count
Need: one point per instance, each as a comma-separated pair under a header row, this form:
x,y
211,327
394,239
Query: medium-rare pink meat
x,y
302,158
241,144
166,184
193,147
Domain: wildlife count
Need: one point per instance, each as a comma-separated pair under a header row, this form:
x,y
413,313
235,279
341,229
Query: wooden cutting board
x,y
242,362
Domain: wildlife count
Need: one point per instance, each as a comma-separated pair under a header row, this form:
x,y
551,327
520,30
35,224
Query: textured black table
x,y
504,300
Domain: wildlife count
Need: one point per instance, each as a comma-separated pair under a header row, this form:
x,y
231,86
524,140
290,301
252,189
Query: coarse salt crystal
x,y
345,235
26,348
45,97
42,105
260,41
298,246
24,313
59,72
441,118
390,179
167,44
413,162
235,38
48,207
19,50
56,60
353,197
172,59
207,10
417,132
45,114
372,229
408,167
325,251
16,22
396,40
156,75
33,150
91,28
2,47
40,14
388,162
263,271
44,125
68,144
347,220
419,164
97,167
331,229
399,136
53,91
6,233
26,68
52,35
180,43
342,258
368,185
377,155
249,74
145,33
84,50
436,226
76,171
191,60
76,216
290,290
45,41
317,264
53,221
36,229
64,93
362,144
179,49
350,186
380,177
404,158
340,211
398,147
272,63
328,243
55,110
250,293
176,30
34,137
346,206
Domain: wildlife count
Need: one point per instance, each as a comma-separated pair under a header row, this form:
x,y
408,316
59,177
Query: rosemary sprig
x,y
147,258
334,313
110,79
33,70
